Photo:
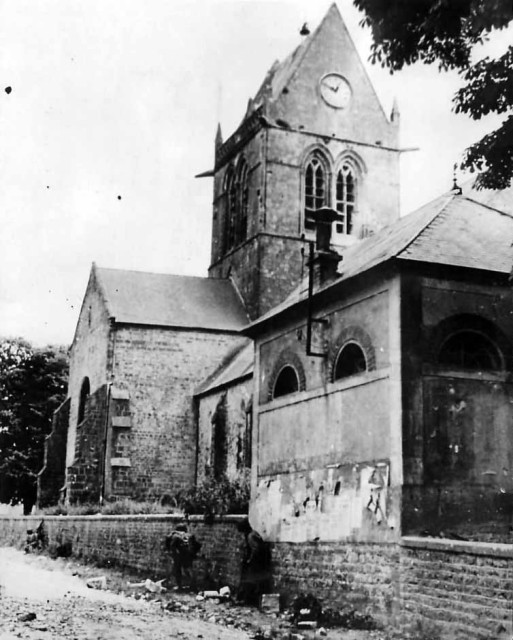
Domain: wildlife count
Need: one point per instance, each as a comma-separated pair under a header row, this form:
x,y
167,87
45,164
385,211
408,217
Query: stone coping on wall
x,y
153,517
493,549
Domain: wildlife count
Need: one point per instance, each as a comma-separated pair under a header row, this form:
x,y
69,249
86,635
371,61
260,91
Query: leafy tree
x,y
32,386
446,31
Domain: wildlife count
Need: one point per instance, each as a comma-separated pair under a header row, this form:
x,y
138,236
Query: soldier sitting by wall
x,y
184,548
255,577
36,540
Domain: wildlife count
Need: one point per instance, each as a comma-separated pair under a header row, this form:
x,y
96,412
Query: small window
x,y
350,361
85,390
470,350
286,382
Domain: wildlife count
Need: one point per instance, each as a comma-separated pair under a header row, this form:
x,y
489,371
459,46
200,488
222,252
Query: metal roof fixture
x,y
323,260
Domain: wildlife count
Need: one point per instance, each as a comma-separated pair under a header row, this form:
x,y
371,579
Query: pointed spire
x,y
395,115
250,108
219,137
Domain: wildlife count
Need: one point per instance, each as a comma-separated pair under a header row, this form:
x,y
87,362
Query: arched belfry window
x,y
231,210
471,351
286,382
334,184
345,198
243,202
85,391
316,187
350,361
237,204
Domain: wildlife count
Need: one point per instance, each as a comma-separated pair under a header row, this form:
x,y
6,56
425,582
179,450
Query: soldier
x,y
256,565
184,548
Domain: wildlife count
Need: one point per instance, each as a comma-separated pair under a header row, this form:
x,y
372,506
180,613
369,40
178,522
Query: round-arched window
x,y
85,390
469,350
287,382
350,361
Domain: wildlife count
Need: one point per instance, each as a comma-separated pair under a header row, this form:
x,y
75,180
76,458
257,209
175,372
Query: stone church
x,y
356,363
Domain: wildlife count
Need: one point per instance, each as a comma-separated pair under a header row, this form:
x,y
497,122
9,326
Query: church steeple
x,y
315,135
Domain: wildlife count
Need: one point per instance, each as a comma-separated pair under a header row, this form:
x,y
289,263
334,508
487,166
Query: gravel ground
x,y
43,599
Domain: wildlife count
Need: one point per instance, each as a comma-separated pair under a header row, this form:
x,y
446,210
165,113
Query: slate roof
x,y
501,199
238,365
156,299
451,230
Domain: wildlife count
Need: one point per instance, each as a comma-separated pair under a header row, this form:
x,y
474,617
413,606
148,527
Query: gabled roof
x,y
452,230
236,366
136,297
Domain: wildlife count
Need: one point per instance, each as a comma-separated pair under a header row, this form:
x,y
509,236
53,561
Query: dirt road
x,y
45,599
65,608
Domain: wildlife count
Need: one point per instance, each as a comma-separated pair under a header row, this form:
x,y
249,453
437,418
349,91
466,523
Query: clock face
x,y
335,90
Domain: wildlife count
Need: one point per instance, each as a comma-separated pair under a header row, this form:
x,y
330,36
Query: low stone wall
x,y
451,588
464,589
341,574
135,542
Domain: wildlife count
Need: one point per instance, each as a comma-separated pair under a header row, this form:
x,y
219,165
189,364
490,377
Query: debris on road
x,y
27,617
150,585
97,583
270,603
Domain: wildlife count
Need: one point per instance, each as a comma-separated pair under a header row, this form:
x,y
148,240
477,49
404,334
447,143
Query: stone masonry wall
x,y
85,474
89,355
236,431
448,588
50,479
462,589
358,576
160,370
136,542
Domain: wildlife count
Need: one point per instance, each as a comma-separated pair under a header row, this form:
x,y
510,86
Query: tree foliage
x,y
32,386
446,32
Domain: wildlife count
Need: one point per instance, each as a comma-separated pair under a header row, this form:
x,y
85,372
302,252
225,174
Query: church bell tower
x,y
314,136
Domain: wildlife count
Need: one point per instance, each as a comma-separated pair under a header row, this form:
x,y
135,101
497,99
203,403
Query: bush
x,y
217,497
114,508
210,498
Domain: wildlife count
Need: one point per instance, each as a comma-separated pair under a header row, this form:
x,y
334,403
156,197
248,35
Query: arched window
x,y
324,186
469,350
231,211
350,361
286,382
219,439
243,203
345,197
316,188
237,203
85,390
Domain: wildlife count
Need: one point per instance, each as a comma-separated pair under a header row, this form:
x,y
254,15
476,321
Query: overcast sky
x,y
113,109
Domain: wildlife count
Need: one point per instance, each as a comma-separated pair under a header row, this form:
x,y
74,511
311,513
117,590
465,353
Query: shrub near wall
x,y
134,542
